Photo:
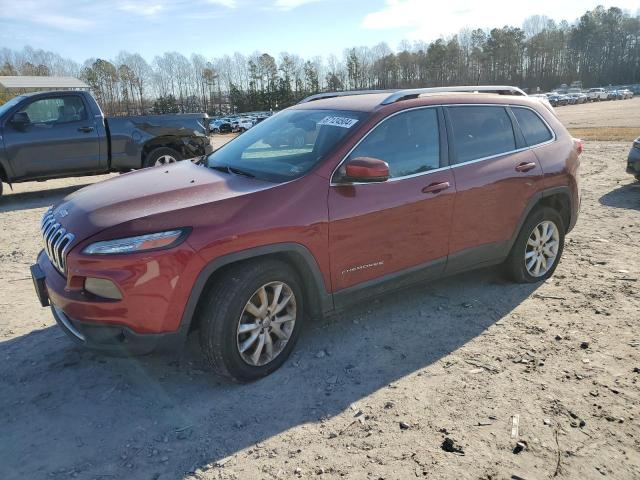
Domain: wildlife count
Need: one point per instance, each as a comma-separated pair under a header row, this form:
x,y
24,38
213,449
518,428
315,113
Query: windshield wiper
x,y
233,170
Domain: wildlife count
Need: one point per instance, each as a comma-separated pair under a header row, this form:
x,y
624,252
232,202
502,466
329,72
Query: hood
x,y
146,193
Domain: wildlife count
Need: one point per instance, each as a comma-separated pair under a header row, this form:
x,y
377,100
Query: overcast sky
x,y
80,29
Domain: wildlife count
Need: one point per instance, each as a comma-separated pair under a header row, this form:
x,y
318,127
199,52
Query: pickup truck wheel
x,y
538,248
162,156
250,320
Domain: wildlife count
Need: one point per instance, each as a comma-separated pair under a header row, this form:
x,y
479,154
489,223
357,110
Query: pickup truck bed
x,y
64,133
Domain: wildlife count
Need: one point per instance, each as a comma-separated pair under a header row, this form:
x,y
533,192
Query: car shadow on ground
x,y
68,412
10,202
626,196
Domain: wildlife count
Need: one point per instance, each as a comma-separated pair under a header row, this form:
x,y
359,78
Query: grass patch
x,y
606,134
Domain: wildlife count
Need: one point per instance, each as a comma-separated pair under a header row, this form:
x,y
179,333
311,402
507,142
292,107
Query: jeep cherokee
x,y
366,191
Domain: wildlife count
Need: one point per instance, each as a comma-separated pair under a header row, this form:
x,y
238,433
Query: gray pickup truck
x,y
65,134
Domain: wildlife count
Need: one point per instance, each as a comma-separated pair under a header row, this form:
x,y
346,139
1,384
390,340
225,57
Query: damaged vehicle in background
x,y
633,160
65,134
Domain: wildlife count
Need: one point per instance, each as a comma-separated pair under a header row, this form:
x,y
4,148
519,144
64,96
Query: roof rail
x,y
346,93
416,92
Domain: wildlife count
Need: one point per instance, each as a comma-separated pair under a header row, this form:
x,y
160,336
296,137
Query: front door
x,y
60,139
380,229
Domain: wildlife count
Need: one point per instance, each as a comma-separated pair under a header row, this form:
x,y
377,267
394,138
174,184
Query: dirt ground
x,y
612,120
373,393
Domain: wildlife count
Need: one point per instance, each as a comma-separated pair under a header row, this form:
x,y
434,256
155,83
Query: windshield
x,y
285,146
5,107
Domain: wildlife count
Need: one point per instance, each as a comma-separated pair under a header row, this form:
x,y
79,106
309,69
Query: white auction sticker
x,y
344,122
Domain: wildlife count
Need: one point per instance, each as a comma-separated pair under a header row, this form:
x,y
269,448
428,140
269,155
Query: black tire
x,y
158,153
637,178
515,263
222,306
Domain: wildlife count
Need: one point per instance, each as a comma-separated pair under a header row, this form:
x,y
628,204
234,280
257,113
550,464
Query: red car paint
x,y
354,233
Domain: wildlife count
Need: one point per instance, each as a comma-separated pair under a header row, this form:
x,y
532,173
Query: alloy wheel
x,y
541,251
266,323
164,160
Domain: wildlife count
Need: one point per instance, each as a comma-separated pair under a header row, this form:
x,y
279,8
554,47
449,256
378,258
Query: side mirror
x,y
366,169
20,120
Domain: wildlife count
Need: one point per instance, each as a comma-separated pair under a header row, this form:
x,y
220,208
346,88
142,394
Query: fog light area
x,y
102,288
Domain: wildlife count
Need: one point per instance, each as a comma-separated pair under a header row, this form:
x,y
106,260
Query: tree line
x,y
601,48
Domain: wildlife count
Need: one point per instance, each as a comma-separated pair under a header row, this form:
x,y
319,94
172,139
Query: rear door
x,y
61,139
379,229
496,174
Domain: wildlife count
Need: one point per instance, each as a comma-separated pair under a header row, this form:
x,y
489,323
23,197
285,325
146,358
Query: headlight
x,y
142,243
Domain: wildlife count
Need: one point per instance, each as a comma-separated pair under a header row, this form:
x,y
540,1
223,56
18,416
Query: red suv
x,y
325,203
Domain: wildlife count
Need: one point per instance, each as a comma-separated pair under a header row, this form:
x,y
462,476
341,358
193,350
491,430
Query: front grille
x,y
57,240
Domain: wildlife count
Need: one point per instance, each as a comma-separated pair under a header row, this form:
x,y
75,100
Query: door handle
x,y
436,187
85,129
525,166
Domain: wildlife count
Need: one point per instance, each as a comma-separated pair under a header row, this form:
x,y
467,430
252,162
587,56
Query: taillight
x,y
579,144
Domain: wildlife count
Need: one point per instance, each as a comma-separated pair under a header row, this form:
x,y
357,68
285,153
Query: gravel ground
x,y
468,377
614,113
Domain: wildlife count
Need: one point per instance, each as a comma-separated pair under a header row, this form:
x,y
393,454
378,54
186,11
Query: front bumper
x,y
116,339
147,318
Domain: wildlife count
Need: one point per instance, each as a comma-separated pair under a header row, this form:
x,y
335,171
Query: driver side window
x,y
409,142
56,110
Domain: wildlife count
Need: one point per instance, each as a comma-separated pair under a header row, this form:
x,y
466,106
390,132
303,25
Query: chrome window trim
x,y
455,165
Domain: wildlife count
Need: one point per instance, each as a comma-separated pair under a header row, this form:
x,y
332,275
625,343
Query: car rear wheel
x,y
162,156
250,319
538,247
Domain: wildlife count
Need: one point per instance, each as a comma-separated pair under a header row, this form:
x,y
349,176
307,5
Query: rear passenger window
x,y
481,131
408,142
533,128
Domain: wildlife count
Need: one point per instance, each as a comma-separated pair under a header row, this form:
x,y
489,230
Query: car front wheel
x,y
250,319
538,247
162,156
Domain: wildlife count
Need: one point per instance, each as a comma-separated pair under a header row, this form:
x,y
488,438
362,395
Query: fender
x,y
5,169
6,172
534,200
537,198
320,300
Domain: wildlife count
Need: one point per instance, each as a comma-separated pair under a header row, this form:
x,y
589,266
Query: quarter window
x,y
408,142
481,131
533,128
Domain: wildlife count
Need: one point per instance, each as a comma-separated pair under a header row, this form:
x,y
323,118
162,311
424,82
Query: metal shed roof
x,y
41,82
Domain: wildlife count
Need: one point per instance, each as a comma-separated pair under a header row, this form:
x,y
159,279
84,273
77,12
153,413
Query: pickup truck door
x,y
59,139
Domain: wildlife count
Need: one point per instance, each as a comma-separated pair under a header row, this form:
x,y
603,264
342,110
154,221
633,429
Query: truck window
x,y
56,110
